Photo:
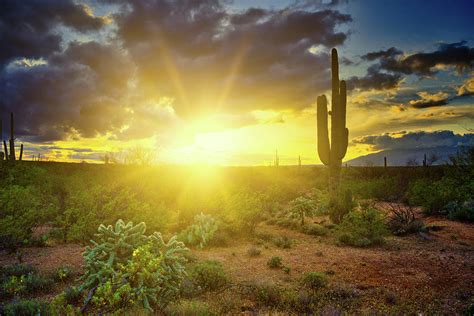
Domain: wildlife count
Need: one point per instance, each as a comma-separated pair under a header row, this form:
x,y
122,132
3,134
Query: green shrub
x,y
275,262
267,294
460,212
128,268
314,229
26,308
200,232
16,285
283,242
16,270
314,280
340,206
208,275
362,228
302,207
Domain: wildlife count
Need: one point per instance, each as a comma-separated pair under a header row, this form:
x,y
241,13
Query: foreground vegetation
x,y
154,230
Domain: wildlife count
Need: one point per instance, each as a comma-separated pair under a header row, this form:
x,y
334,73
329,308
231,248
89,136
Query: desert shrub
x,y
254,251
362,228
460,211
314,280
284,242
275,262
321,201
200,232
288,223
402,220
314,229
302,207
16,270
23,208
127,268
26,308
18,280
267,294
339,207
246,210
208,275
432,196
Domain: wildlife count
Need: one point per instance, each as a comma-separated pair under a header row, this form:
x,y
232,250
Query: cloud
x,y
467,88
206,57
411,140
429,100
374,80
457,55
79,92
28,28
392,65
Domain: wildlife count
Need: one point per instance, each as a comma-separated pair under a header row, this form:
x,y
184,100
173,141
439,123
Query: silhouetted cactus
x,y
12,138
385,162
424,160
277,159
332,153
5,149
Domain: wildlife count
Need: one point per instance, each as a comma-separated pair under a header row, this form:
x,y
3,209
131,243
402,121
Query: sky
x,y
225,82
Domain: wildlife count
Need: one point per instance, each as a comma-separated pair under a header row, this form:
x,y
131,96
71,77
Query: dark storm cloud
x,y
26,27
392,64
77,92
410,140
374,79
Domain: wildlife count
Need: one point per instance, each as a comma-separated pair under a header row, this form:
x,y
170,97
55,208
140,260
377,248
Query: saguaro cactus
x,y
332,153
12,138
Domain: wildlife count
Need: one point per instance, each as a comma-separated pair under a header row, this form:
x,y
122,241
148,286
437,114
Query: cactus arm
x,y
322,124
344,143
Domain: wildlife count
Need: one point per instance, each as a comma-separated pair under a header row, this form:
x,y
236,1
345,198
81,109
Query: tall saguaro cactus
x,y
332,153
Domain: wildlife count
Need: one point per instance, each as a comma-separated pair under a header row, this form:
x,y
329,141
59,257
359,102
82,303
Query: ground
x,y
429,271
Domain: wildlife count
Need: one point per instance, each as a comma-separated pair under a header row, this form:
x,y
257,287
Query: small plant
x,y
200,232
402,220
26,307
254,251
275,262
287,270
63,273
363,228
314,280
282,242
209,275
460,211
301,207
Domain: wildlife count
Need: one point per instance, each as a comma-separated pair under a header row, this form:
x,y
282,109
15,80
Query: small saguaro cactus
x,y
332,153
385,162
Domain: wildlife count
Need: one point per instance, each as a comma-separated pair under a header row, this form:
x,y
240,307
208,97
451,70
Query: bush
x,y
314,280
16,285
402,220
254,252
302,207
200,232
282,242
460,212
275,262
208,275
314,229
267,294
63,273
26,308
128,268
339,207
363,228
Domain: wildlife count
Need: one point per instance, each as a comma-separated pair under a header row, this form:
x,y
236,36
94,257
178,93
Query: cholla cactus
x,y
201,231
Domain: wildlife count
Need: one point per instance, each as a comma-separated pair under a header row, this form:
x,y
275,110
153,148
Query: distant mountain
x,y
399,157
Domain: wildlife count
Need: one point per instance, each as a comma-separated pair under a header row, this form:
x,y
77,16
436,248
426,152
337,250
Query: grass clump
x,y
314,230
363,228
254,251
275,262
186,307
26,307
